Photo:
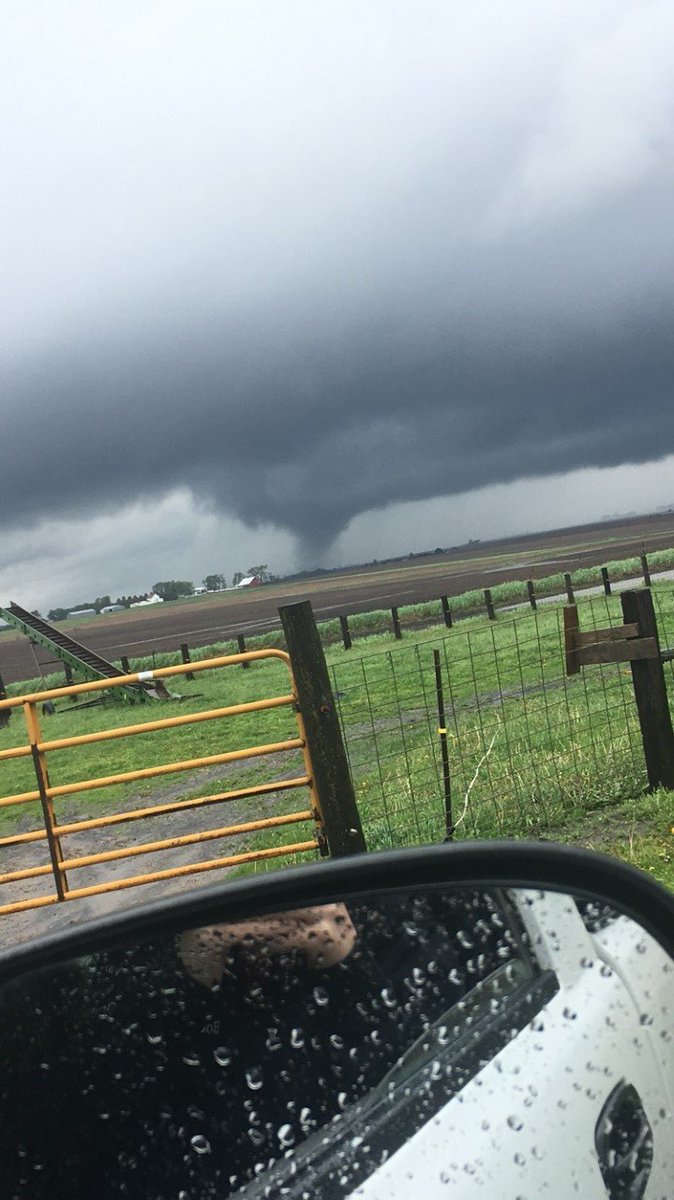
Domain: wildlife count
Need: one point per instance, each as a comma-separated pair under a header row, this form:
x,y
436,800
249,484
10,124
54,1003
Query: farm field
x,y
207,619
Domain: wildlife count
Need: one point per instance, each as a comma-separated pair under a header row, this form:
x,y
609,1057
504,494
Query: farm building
x,y
152,598
248,581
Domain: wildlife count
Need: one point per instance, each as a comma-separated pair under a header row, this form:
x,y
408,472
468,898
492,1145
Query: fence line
x,y
373,621
529,750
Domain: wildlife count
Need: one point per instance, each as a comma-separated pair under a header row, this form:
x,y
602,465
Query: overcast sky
x,y
308,283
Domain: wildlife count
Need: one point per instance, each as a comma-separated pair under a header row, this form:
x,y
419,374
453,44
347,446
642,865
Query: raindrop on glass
x,y
285,1136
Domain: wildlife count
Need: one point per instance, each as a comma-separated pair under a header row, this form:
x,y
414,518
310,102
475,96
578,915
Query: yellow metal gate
x,y
57,865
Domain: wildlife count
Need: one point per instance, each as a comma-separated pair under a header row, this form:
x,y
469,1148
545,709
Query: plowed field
x,y
205,619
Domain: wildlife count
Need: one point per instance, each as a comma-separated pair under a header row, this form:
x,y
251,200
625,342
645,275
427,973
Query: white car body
x,y
516,1132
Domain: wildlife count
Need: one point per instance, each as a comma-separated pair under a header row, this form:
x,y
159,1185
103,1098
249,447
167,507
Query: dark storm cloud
x,y
463,323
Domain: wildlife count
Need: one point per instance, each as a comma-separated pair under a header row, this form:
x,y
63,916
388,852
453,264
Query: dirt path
x,y
21,927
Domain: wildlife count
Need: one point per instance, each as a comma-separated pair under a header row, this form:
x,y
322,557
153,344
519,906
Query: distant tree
x,y
171,589
97,604
214,583
236,578
57,614
261,572
36,613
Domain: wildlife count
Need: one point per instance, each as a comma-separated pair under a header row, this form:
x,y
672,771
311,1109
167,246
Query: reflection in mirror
x,y
455,1036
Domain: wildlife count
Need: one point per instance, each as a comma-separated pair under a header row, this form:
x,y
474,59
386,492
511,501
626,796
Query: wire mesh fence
x,y
529,750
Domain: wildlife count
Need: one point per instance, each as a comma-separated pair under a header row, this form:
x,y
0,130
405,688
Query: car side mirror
x,y
492,1018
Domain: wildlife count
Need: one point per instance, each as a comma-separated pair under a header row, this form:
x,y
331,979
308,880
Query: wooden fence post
x,y
445,611
606,581
650,692
6,713
569,588
126,669
241,643
346,632
490,604
68,672
396,624
185,653
532,594
645,571
331,775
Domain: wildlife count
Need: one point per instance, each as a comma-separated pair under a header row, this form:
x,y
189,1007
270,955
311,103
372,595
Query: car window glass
x,y
166,1072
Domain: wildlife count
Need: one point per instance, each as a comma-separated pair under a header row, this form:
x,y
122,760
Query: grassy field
x,y
531,753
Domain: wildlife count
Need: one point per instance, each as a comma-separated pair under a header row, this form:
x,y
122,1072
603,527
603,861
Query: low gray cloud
x,y
369,274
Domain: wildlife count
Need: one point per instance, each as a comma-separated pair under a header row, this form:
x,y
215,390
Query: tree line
x,y
168,589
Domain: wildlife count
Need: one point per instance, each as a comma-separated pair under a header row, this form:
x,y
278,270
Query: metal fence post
x,y
442,731
329,764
